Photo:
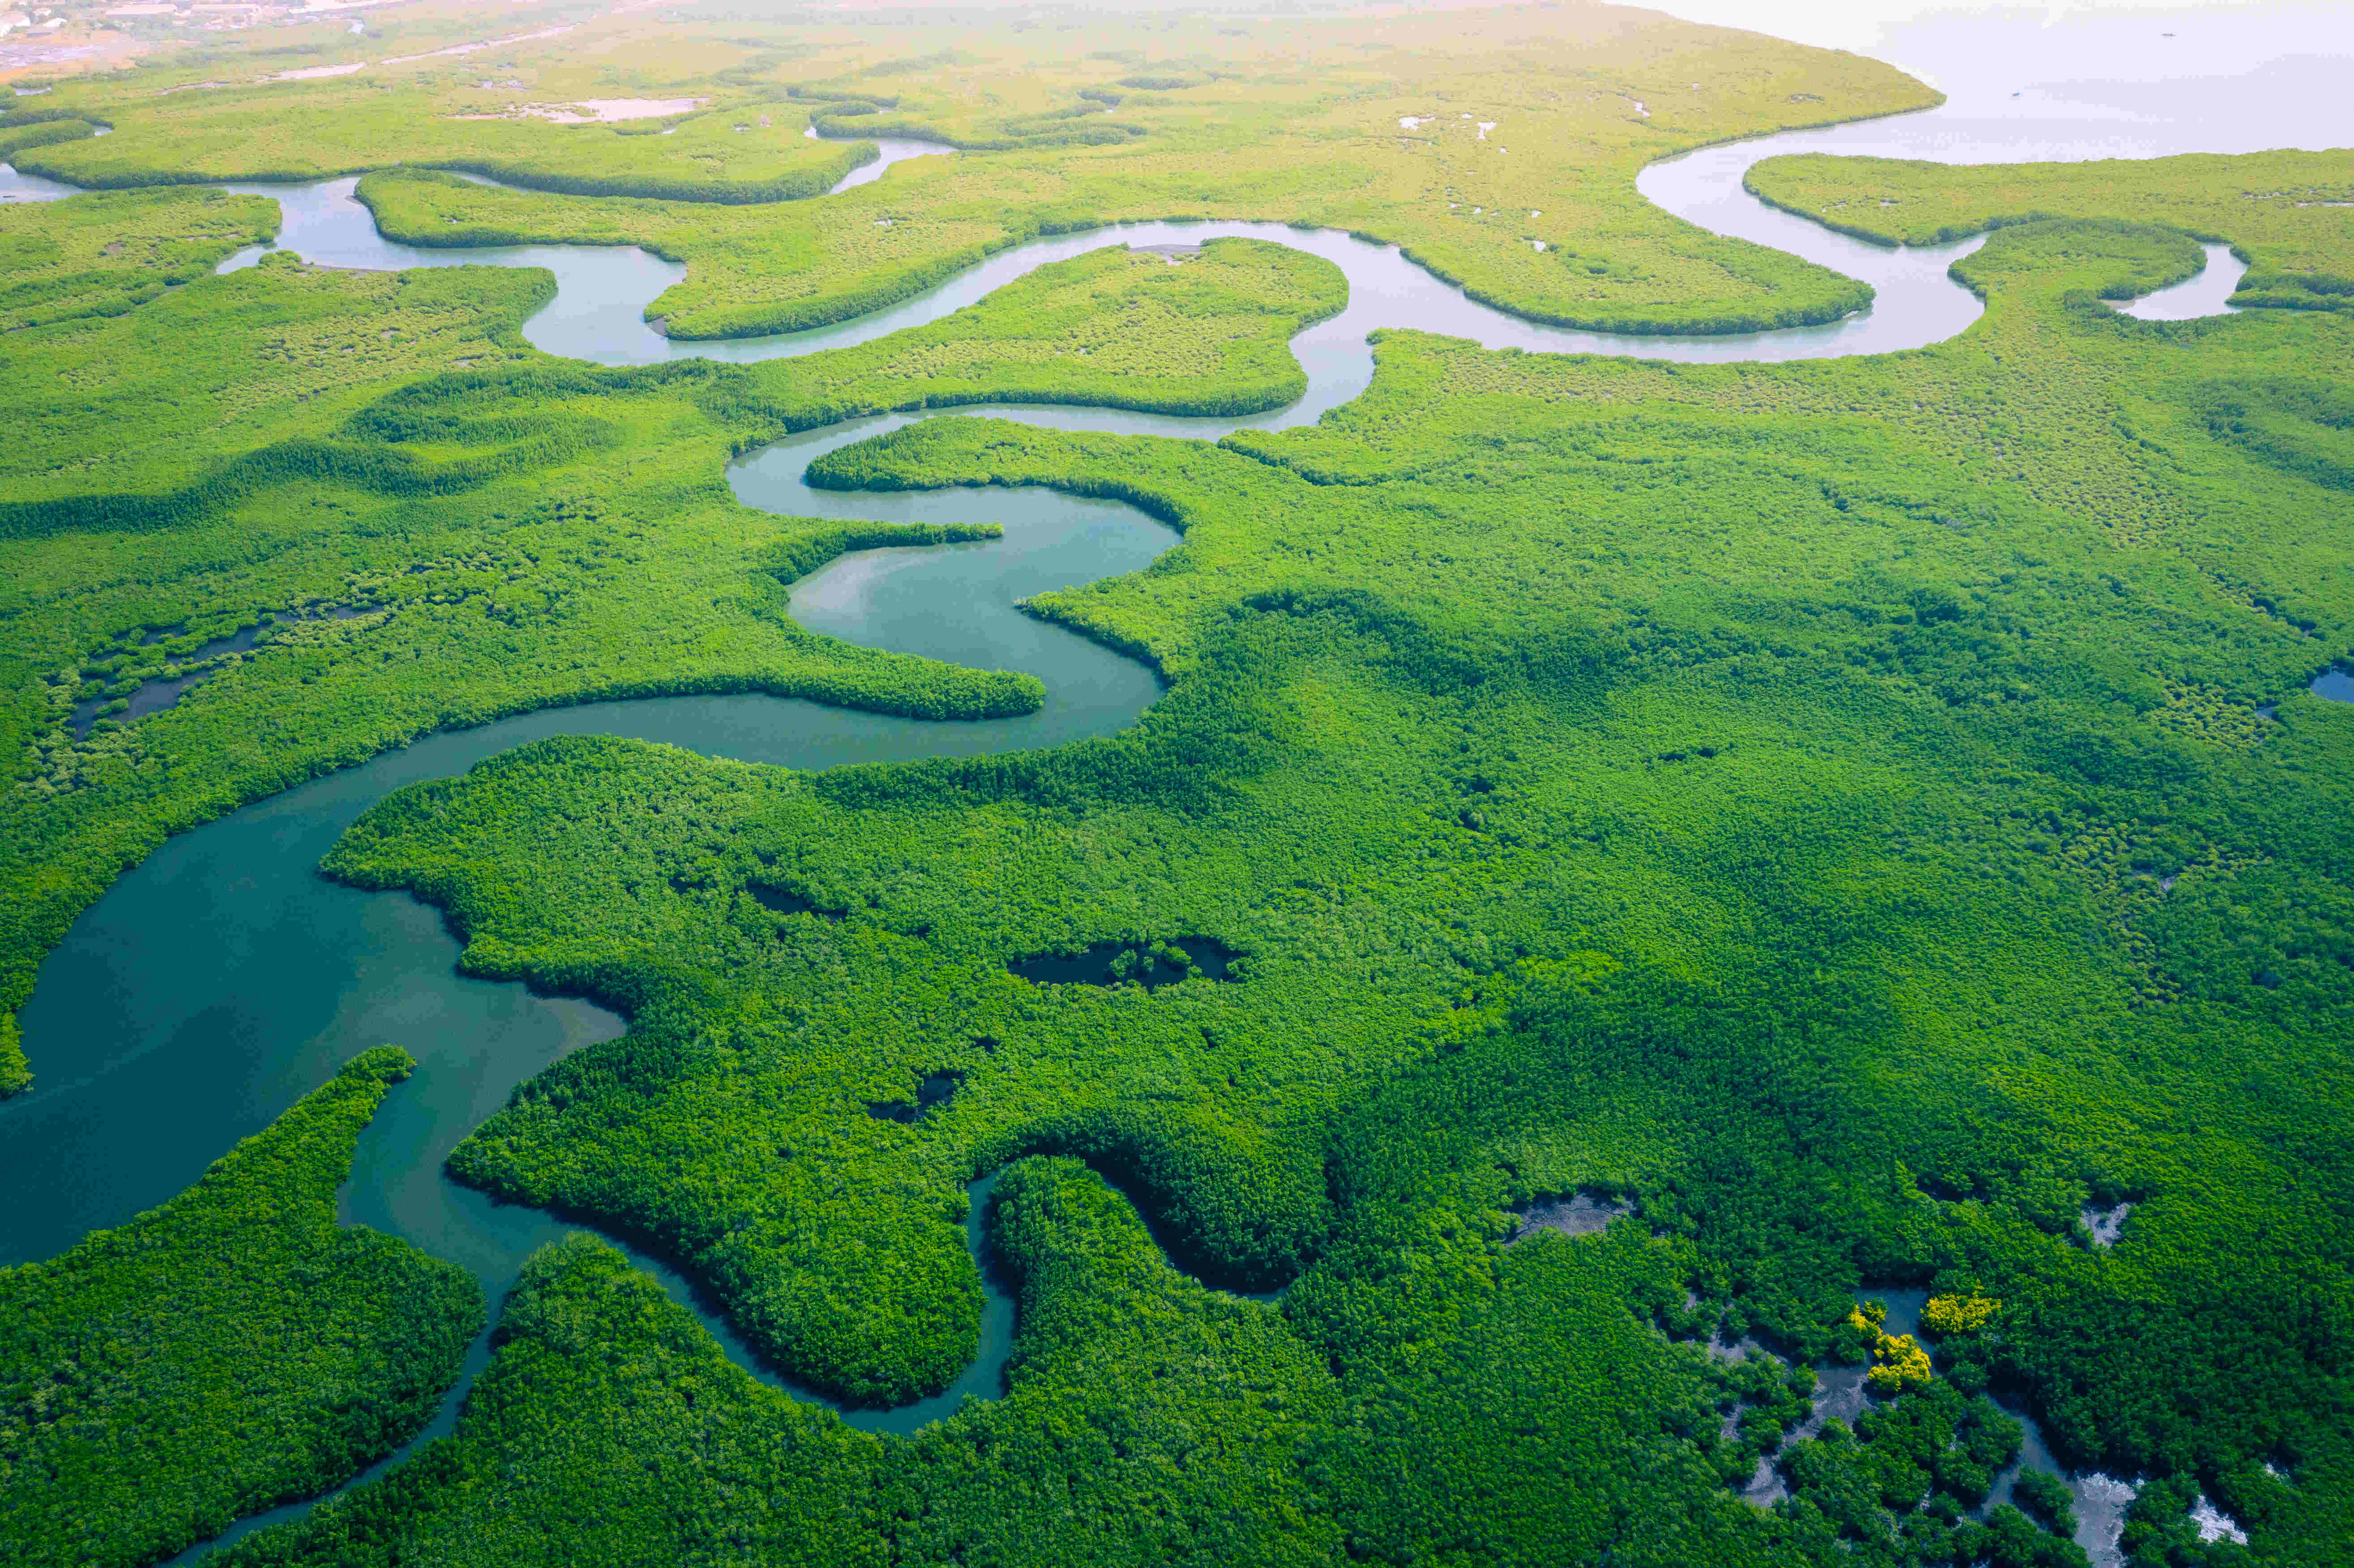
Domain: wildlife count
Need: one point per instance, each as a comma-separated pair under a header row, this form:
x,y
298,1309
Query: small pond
x,y
1149,964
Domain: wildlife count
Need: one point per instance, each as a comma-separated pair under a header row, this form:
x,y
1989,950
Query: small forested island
x,y
1092,785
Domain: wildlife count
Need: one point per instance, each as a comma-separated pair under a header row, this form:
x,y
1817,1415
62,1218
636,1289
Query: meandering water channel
x,y
223,977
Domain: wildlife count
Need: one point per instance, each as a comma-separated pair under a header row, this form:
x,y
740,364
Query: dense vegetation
x,y
348,125
230,1350
1114,328
353,442
2290,216
1525,127
1861,814
109,254
1867,809
1205,1430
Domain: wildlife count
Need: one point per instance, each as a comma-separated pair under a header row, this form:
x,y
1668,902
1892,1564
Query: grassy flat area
x,y
1527,126
108,254
2290,216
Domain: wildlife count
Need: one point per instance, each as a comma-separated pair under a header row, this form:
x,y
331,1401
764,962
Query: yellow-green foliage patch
x,y
103,254
2290,216
1114,328
1529,125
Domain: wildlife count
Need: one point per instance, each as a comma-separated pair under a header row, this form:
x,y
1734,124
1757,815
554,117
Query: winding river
x,y
222,978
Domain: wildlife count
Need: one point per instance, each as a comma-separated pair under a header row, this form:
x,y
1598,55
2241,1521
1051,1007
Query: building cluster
x,y
34,23
216,15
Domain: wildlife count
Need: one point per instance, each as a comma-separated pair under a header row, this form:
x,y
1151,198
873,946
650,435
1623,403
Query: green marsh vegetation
x,y
1867,811
1862,812
512,531
2290,216
299,107
1113,328
311,131
1287,122
108,254
1147,1418
233,1348
22,130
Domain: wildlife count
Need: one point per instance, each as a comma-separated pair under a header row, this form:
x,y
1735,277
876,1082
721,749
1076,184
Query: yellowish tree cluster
x,y
1898,1361
1945,1316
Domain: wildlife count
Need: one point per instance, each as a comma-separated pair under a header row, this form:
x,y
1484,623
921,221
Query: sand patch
x,y
596,111
25,56
485,43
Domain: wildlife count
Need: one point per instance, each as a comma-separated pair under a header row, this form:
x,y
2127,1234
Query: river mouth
x,y
222,978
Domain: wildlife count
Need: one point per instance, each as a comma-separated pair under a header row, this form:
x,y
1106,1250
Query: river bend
x,y
222,978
